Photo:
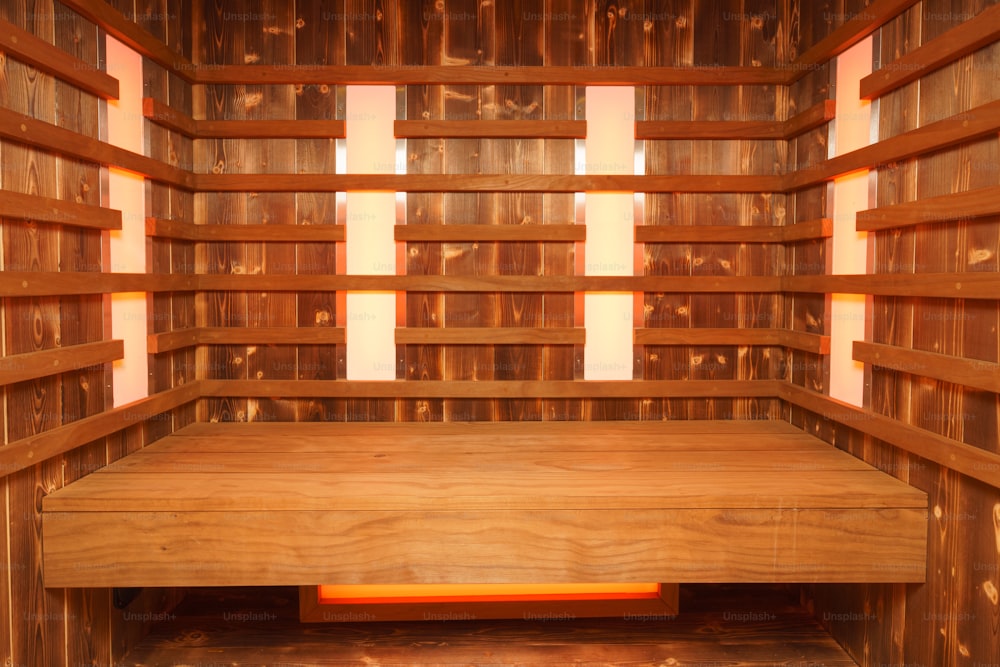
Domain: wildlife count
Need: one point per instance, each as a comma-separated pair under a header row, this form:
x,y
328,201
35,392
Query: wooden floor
x,y
233,504
736,626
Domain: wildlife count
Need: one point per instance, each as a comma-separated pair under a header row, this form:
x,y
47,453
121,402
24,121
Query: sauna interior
x,y
316,292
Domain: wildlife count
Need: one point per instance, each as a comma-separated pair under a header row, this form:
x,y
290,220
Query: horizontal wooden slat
x,y
491,129
489,389
808,230
736,336
31,365
965,38
709,129
493,335
810,119
50,59
812,229
24,129
944,285
284,233
227,548
425,283
269,129
480,232
958,206
168,117
131,34
973,373
29,451
63,283
968,126
855,27
493,75
45,209
485,183
953,454
181,338
708,234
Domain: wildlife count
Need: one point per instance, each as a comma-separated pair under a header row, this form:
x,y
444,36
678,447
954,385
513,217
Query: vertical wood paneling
x,y
564,43
469,39
672,44
424,156
319,40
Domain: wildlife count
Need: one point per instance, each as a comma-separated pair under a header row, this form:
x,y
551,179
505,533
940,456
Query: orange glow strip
x,y
424,593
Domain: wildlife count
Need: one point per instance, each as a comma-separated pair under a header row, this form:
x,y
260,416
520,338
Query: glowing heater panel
x,y
127,247
371,248
609,249
850,247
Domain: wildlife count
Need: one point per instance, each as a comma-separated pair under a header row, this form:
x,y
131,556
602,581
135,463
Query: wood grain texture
x,y
484,232
933,54
553,512
492,129
456,74
50,59
17,205
514,335
452,182
976,203
73,357
277,233
181,338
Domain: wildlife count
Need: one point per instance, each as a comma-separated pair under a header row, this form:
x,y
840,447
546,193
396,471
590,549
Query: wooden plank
x,y
46,136
276,233
483,232
45,209
966,459
129,33
491,129
709,129
31,365
65,283
168,117
181,338
960,41
709,234
810,119
967,126
973,373
727,336
927,210
808,230
856,27
270,129
800,231
612,75
483,283
53,60
946,285
307,548
25,452
152,460
485,183
275,491
492,431
489,388
495,335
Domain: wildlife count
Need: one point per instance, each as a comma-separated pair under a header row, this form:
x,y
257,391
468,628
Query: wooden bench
x,y
235,504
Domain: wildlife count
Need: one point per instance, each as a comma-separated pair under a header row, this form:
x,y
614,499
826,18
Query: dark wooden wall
x,y
951,620
55,626
556,32
954,618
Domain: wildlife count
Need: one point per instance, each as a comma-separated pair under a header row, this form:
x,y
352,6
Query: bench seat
x,y
237,504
